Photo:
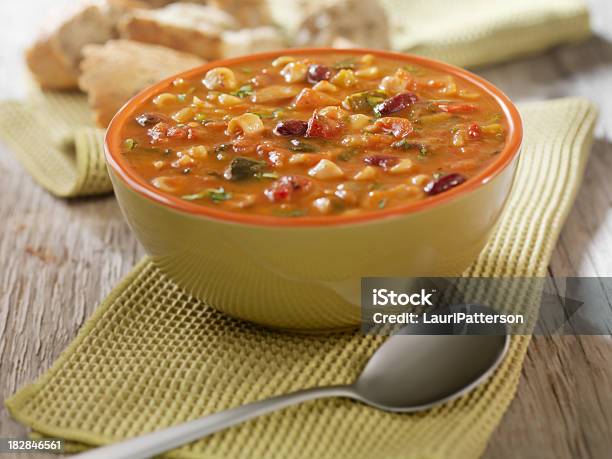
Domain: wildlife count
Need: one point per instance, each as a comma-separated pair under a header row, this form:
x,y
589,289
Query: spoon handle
x,y
153,443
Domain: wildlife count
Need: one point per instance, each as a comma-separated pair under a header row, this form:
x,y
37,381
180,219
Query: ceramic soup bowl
x,y
305,273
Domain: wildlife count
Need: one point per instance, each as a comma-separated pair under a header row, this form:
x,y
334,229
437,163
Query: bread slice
x,y
187,27
114,72
49,69
362,22
248,13
54,57
247,41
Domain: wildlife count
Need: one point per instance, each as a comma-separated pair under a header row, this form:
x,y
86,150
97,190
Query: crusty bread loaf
x,y
54,57
247,41
49,69
187,27
114,72
248,13
362,22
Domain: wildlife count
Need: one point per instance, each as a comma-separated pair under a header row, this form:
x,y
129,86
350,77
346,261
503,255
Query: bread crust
x,y
114,72
193,29
47,67
362,22
54,57
248,13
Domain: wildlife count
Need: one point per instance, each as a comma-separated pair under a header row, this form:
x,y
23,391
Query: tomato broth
x,y
314,135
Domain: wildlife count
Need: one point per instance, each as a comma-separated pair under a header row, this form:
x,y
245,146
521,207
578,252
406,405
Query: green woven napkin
x,y
476,32
469,32
53,136
151,356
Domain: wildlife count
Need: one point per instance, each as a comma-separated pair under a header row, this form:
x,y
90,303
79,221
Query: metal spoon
x,y
412,371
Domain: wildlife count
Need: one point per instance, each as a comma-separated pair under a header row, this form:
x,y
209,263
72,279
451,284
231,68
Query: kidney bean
x,y
291,127
317,72
384,161
396,103
444,183
150,119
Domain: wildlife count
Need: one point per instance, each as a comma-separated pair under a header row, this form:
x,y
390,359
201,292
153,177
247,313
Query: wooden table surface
x,y
59,258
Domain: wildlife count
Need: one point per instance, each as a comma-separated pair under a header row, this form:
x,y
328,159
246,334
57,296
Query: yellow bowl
x,y
305,273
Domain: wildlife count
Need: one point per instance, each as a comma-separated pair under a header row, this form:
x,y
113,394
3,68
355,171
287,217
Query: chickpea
x,y
184,115
368,59
282,61
368,73
325,169
366,174
405,165
227,100
325,86
420,180
294,72
345,78
358,121
322,205
198,152
392,85
347,196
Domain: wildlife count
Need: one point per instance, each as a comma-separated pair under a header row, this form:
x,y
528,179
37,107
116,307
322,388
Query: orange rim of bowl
x,y
115,160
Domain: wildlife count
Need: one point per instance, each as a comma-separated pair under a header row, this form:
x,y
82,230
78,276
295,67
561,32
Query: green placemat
x,y
53,136
151,356
476,32
468,32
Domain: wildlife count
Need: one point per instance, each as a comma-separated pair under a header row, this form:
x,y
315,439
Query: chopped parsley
x,y
405,144
345,64
219,194
300,146
289,212
130,144
414,70
222,147
365,101
347,154
266,175
266,116
216,195
242,168
244,91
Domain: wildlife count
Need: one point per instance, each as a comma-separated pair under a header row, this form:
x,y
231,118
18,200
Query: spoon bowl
x,y
415,372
